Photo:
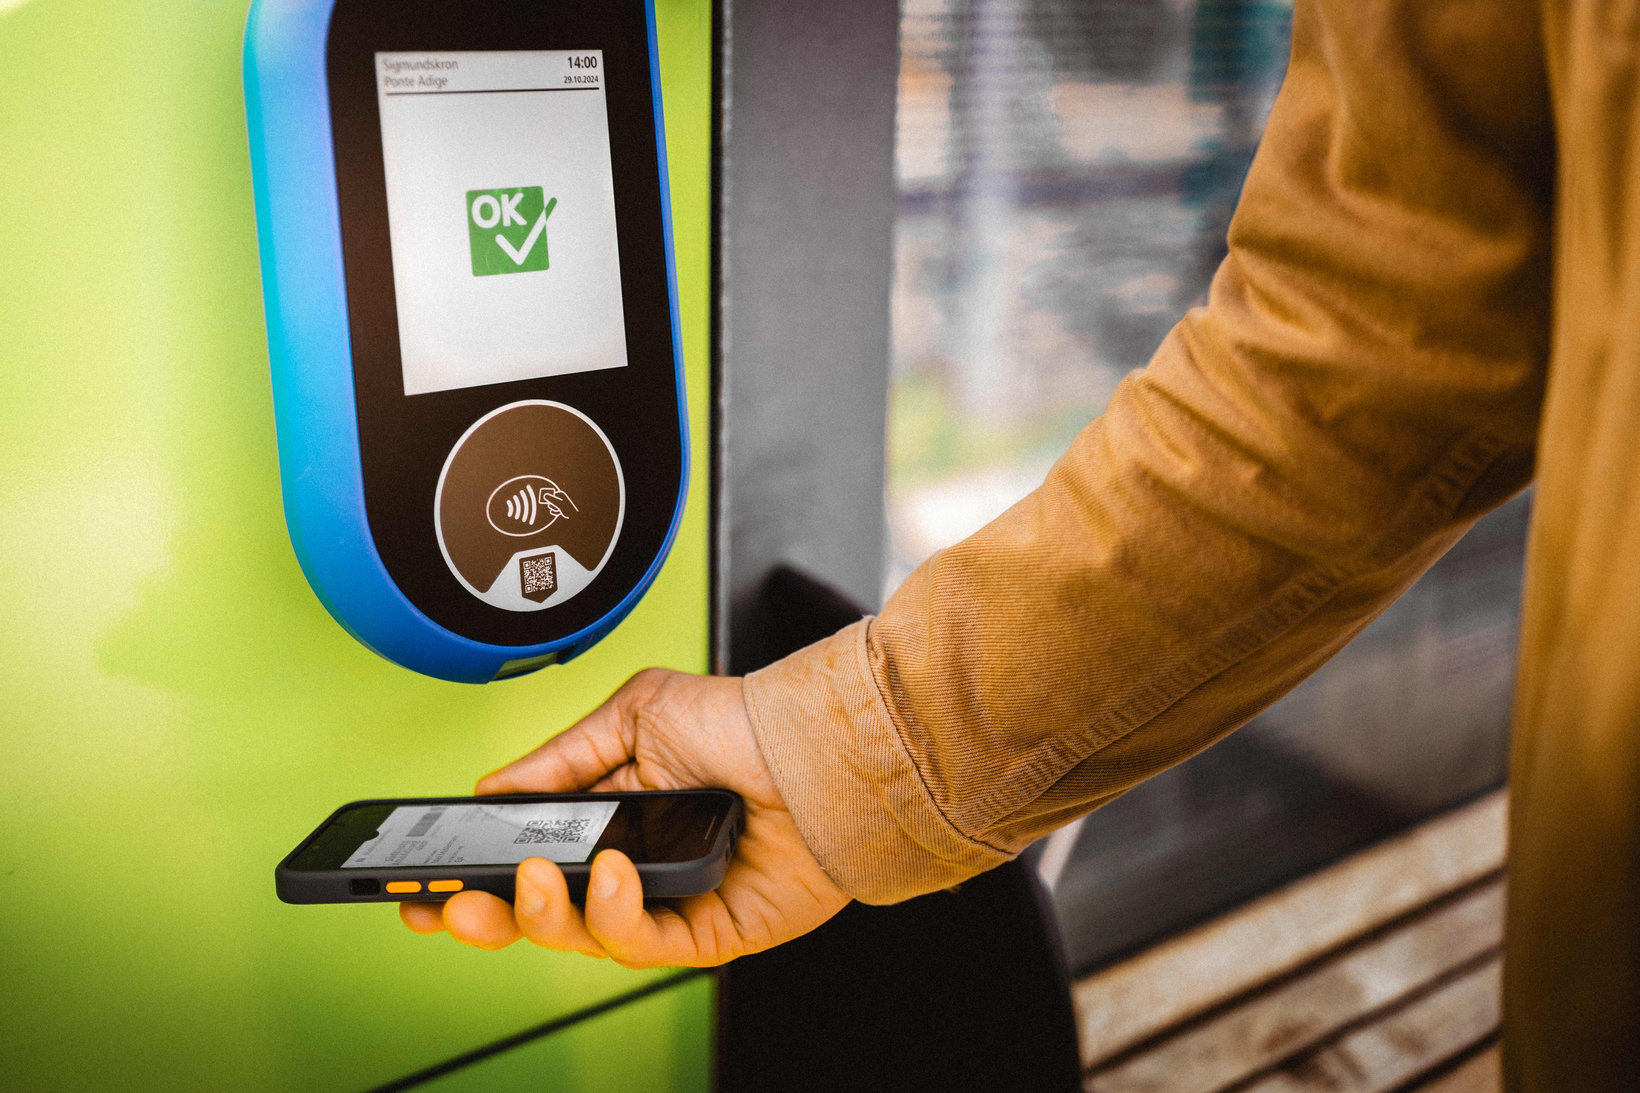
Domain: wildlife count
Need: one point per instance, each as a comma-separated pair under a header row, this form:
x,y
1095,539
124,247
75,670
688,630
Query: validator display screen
x,y
501,215
500,834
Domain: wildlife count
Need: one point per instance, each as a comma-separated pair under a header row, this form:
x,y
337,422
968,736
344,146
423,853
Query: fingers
x,y
423,918
541,911
623,778
480,920
615,924
575,758
544,913
617,918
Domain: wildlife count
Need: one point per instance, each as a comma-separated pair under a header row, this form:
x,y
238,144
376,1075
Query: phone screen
x,y
664,827
504,834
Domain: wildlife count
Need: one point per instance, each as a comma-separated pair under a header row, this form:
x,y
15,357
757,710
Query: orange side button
x,y
403,887
444,886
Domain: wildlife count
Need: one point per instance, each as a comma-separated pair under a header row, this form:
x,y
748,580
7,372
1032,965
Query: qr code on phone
x,y
554,831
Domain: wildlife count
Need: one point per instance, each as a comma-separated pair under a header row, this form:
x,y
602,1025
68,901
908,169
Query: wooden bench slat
x,y
1482,1074
1203,968
1269,1027
1387,1054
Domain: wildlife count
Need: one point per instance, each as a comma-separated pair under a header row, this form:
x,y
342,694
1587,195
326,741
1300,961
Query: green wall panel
x,y
176,709
649,1046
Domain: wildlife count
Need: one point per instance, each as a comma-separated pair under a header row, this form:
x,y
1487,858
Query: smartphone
x,y
430,848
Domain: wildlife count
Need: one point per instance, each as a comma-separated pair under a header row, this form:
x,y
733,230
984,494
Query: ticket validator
x,y
472,318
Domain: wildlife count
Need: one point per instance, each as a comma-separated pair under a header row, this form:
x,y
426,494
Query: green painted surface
x,y
176,709
644,1047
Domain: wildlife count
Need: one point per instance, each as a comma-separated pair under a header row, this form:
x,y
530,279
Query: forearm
x,y
1362,385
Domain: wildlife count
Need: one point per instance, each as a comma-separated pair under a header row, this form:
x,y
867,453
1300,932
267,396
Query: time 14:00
x,y
583,62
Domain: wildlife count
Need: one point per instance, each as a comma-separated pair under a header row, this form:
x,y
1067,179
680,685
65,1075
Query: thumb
x,y
576,758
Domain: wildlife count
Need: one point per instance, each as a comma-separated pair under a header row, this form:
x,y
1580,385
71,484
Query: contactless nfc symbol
x,y
507,229
527,505
521,507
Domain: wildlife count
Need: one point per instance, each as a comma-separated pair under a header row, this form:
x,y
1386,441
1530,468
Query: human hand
x,y
662,730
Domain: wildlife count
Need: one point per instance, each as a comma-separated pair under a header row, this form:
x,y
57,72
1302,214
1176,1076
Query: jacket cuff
x,y
839,762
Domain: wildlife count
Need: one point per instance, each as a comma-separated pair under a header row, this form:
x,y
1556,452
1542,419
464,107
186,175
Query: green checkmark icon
x,y
507,229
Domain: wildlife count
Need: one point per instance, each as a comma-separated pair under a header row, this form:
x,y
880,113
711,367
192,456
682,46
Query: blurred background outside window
x,y
1067,170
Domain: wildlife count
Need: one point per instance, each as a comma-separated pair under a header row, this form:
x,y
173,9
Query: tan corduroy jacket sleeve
x,y
1363,383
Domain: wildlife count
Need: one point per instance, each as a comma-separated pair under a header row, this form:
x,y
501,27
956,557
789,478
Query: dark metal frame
x,y
805,210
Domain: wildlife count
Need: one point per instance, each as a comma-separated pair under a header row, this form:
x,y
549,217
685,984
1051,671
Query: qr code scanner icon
x,y
538,576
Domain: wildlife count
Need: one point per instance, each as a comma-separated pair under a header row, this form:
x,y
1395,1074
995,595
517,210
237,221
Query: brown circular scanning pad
x,y
529,505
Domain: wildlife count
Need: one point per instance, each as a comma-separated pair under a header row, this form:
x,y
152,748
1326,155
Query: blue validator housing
x,y
472,318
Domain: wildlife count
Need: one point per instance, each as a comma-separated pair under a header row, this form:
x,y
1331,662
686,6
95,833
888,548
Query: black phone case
x,y
661,880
